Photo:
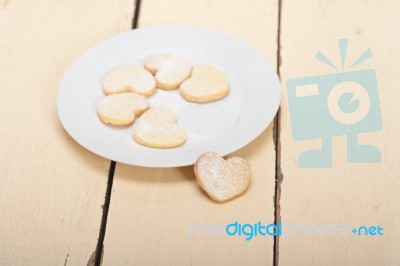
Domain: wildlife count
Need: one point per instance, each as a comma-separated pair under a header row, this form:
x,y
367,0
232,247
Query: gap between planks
x,y
277,144
100,243
99,249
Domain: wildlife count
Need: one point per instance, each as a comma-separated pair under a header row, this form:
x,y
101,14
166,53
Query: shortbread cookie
x,y
170,70
158,128
153,63
129,79
205,84
222,179
121,109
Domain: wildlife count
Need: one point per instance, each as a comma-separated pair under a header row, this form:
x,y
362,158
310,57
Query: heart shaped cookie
x,y
169,70
129,79
158,128
222,179
205,84
121,109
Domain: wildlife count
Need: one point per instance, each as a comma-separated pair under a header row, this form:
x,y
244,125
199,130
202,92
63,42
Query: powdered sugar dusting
x,y
123,106
174,70
221,179
157,128
170,70
130,79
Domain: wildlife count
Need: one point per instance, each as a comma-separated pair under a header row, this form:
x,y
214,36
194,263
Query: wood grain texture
x,y
151,209
353,194
51,189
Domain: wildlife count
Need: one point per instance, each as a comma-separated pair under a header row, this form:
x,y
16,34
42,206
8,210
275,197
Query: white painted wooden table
x,y
57,206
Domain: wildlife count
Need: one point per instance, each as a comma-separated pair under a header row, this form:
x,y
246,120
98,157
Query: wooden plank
x,y
151,209
52,190
354,194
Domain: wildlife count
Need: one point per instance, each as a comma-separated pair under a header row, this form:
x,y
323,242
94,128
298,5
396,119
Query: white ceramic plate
x,y
223,126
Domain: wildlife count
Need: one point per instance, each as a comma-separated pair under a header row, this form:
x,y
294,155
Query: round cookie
x,y
206,84
121,109
170,70
129,79
158,128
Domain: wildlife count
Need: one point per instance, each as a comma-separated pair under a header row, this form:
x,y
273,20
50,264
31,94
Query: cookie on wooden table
x,y
222,179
